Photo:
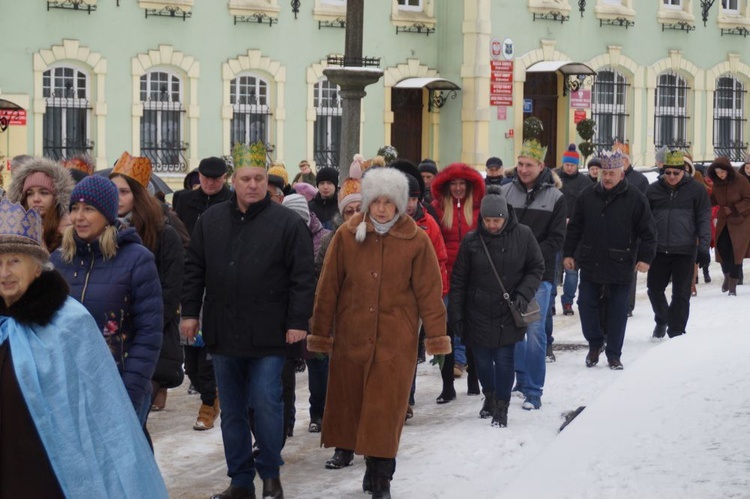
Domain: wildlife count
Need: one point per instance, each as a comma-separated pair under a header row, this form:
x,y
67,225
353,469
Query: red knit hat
x,y
571,155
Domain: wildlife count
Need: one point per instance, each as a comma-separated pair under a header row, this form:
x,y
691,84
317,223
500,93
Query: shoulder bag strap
x,y
494,270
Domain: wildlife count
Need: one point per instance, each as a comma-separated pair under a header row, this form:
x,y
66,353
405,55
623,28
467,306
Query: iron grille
x,y
328,121
671,112
161,136
609,109
729,118
65,127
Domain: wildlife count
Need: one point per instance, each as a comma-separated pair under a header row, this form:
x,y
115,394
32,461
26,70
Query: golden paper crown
x,y
533,149
240,155
675,159
258,154
82,162
136,167
612,160
619,146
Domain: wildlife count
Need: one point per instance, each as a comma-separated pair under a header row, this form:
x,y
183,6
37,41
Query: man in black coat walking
x,y
638,180
610,233
250,267
682,212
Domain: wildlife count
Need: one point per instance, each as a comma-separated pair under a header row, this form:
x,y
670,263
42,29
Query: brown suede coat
x,y
733,192
375,292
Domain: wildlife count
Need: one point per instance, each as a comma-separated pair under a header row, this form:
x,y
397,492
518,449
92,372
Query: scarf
x,y
384,228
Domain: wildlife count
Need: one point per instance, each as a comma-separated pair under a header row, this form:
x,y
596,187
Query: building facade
x,y
179,80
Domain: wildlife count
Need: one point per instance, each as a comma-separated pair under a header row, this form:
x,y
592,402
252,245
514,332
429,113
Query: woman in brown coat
x,y
731,192
380,277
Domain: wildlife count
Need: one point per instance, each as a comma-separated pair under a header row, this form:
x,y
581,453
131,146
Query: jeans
x,y
459,351
317,382
589,294
548,325
530,361
678,269
495,369
255,383
570,285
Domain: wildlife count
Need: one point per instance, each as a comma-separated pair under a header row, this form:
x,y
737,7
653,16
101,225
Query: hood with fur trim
x,y
441,184
60,176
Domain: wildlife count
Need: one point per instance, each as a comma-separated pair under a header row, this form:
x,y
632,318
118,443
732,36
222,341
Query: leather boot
x,y
706,275
732,287
500,415
341,459
382,473
235,492
272,488
725,284
367,479
160,400
488,408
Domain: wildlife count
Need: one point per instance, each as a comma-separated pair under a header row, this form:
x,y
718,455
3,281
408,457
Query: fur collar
x,y
405,228
60,176
441,184
45,296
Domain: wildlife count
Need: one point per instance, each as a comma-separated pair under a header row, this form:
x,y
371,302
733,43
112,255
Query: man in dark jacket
x,y
495,173
212,173
540,206
250,267
610,233
638,180
682,212
325,203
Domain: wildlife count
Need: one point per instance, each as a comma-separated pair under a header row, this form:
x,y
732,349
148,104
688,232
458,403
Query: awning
x,y
6,104
428,83
566,68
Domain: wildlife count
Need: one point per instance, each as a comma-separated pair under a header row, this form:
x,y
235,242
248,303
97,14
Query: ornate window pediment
x,y
409,13
614,9
734,14
185,5
329,10
549,6
247,7
675,11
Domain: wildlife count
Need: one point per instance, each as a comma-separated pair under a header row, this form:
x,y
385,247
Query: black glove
x,y
521,304
704,259
457,328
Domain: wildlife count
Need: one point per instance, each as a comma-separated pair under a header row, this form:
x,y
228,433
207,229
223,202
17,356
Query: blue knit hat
x,y
100,193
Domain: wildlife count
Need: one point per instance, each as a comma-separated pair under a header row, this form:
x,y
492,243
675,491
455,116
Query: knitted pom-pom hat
x,y
571,155
100,193
351,189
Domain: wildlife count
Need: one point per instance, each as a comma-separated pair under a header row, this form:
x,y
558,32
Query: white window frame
x,y
730,10
735,112
675,111
337,3
615,109
174,103
322,94
672,4
48,93
262,89
405,6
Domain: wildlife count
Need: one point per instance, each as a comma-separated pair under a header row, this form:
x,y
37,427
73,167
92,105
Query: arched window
x,y
67,112
671,114
161,123
327,104
609,108
729,118
251,112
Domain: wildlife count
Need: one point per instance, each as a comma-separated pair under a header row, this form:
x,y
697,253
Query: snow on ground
x,y
674,423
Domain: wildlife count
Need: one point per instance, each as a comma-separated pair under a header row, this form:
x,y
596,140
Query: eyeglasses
x,y
672,173
349,212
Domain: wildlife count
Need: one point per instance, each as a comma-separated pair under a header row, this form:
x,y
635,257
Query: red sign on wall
x,y
580,99
498,77
579,115
501,100
13,117
501,88
506,66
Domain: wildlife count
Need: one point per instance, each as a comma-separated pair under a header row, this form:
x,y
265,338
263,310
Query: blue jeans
x,y
548,319
459,351
616,299
570,284
495,369
317,381
530,362
255,383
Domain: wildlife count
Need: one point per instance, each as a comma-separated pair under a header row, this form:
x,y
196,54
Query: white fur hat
x,y
387,182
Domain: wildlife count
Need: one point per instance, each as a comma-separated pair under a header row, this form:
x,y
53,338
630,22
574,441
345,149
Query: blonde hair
x,y
107,244
447,219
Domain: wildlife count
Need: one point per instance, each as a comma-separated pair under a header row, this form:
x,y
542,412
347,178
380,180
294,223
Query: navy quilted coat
x,y
124,297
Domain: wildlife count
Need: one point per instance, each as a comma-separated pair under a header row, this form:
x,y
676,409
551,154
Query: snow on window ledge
x,y
671,15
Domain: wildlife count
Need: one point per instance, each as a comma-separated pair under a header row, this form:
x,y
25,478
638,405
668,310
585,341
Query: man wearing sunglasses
x,y
682,212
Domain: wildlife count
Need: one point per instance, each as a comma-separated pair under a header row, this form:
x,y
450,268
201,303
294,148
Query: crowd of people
x,y
110,295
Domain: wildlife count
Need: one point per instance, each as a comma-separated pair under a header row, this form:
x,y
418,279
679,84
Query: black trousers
x,y
678,269
199,367
726,251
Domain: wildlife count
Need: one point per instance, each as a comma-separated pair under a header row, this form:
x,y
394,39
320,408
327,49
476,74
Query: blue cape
x,y
80,407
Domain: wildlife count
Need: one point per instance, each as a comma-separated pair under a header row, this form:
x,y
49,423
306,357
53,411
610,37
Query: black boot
x,y
500,415
272,488
741,278
449,392
706,275
341,459
732,287
725,284
235,492
488,408
659,331
382,474
367,479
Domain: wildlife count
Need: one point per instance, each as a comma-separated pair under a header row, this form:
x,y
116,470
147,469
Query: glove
x,y
521,304
458,329
704,259
438,360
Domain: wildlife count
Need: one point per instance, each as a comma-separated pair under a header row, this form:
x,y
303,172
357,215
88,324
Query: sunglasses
x,y
672,173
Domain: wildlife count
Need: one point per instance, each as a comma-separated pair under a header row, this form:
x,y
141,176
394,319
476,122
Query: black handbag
x,y
521,319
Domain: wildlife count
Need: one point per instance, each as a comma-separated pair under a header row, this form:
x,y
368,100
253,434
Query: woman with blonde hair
x,y
45,186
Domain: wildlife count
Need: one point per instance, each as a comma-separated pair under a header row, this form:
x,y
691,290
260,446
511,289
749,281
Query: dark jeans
x,y
631,296
288,386
495,369
199,367
317,382
548,318
617,315
726,251
678,268
255,383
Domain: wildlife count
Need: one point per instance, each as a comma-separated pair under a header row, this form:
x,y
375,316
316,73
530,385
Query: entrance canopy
x,y
565,68
6,104
428,83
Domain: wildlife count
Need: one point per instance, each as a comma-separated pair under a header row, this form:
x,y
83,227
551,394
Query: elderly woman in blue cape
x,y
67,427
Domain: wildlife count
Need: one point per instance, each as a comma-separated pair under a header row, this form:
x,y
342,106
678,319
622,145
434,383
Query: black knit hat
x,y
429,166
327,174
212,167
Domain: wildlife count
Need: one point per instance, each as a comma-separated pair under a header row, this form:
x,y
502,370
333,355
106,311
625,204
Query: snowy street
x,y
674,423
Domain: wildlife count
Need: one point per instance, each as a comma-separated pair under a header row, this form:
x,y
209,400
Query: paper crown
x,y
249,155
675,159
82,162
21,230
279,170
619,146
612,160
136,167
533,149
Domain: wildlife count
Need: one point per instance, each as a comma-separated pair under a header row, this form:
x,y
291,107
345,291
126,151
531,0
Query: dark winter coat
x,y
461,226
318,232
637,179
256,269
609,232
733,192
170,263
325,209
476,299
124,296
501,180
682,216
542,209
572,186
192,204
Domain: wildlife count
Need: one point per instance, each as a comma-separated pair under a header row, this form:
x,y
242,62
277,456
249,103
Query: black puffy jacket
x,y
476,299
